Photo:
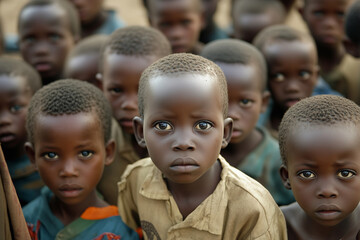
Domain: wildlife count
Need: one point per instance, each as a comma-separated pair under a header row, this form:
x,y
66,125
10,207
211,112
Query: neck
x,y
69,213
189,196
330,57
90,27
235,153
140,151
276,115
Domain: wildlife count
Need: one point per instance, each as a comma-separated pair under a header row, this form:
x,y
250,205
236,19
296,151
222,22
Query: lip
x,y
184,165
7,137
236,133
126,122
179,48
292,101
70,190
327,212
43,66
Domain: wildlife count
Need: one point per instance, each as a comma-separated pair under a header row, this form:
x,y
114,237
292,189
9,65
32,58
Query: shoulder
x,y
33,209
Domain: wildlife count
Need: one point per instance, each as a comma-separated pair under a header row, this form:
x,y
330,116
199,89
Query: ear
x,y
284,174
110,152
30,152
351,47
138,125
228,129
265,100
99,81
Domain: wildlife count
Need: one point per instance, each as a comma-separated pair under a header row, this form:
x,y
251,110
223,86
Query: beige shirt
x,y
124,155
239,207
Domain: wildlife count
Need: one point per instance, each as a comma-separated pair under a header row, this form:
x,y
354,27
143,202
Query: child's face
x,y
179,22
247,26
83,67
323,171
121,75
183,126
15,95
325,19
246,98
45,39
69,153
292,70
88,10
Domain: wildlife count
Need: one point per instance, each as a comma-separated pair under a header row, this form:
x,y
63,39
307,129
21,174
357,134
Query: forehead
x,y
239,75
327,3
282,50
162,6
50,15
183,89
10,84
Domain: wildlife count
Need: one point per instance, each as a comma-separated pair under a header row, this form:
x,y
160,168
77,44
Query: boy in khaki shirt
x,y
186,190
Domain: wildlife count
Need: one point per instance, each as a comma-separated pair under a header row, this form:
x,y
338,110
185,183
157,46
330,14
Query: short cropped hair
x,y
236,51
352,22
280,32
69,9
68,97
19,68
89,45
138,41
182,63
317,110
257,6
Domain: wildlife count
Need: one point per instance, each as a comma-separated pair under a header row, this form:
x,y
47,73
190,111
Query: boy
x,y
292,70
68,125
180,21
18,83
352,25
186,190
340,70
251,149
84,60
48,29
95,19
129,51
319,144
251,16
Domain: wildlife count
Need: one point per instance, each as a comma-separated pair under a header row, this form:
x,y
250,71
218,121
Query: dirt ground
x,y
131,11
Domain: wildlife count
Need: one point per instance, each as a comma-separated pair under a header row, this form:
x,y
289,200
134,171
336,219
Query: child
x,y
129,51
251,149
95,19
186,190
352,25
293,16
251,16
18,83
211,31
48,29
292,70
180,21
84,60
319,144
68,125
340,70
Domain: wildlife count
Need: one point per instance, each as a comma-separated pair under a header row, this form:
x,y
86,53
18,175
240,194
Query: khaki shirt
x,y
295,20
124,155
239,207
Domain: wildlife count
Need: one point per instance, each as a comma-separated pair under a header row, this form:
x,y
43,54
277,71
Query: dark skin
x,y
247,100
210,7
325,20
15,95
70,155
322,171
184,129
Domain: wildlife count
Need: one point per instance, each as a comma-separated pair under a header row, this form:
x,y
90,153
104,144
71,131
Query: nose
x,y
327,189
292,85
69,168
232,112
5,118
183,140
175,33
330,22
130,102
41,49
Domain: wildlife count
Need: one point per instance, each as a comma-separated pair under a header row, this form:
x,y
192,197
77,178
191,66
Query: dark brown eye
x,y
163,126
203,126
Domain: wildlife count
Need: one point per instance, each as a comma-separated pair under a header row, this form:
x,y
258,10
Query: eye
x,y
307,174
186,22
278,77
85,154
164,126
50,156
54,37
28,39
15,108
340,14
246,102
318,13
346,173
305,75
116,90
203,125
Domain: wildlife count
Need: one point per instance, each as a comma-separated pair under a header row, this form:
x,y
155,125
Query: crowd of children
x,y
182,129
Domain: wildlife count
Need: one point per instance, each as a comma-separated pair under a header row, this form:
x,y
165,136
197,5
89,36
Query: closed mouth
x,y
70,190
43,66
7,137
184,165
